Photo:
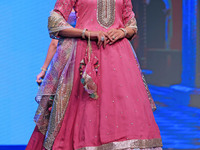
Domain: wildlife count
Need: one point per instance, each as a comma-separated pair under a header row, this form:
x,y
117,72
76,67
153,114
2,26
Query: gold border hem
x,y
120,145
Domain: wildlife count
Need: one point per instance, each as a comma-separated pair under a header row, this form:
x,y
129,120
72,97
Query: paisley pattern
x,y
106,12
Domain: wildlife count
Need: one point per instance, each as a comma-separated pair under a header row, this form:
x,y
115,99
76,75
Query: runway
x,y
179,125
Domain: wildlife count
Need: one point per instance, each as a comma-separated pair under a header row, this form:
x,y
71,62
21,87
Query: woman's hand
x,y
102,37
115,34
40,76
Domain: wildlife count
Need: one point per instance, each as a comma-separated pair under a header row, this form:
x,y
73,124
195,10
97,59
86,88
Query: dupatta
x,y
54,92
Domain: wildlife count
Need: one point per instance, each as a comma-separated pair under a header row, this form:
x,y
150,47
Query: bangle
x,y
83,33
124,30
43,69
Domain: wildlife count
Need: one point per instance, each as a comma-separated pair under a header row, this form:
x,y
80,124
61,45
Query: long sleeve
x,y
129,16
57,20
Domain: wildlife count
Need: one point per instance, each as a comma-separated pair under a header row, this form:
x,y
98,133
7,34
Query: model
x,y
94,96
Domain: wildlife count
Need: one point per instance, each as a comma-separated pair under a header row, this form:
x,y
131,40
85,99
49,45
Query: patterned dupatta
x,y
54,92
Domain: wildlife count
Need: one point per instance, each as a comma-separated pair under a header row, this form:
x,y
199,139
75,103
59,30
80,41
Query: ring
x,y
113,37
102,38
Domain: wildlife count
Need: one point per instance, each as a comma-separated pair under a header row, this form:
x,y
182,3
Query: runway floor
x,y
179,125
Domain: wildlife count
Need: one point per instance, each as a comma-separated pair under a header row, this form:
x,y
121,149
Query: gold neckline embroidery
x,y
106,12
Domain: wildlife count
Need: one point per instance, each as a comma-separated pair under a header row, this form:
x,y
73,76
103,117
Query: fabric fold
x,y
56,23
54,92
152,103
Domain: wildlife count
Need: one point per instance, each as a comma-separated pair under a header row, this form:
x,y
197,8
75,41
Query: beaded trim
x,y
136,143
106,12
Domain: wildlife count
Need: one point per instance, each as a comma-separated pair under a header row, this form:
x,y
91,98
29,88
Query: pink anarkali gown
x,y
68,118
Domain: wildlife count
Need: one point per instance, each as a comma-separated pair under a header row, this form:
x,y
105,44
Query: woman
x,y
94,95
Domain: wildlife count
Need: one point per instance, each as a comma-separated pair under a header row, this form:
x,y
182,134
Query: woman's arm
x,y
131,32
71,32
130,25
94,35
129,20
50,54
117,34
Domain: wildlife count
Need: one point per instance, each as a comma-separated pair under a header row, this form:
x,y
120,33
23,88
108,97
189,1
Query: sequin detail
x,y
106,12
123,145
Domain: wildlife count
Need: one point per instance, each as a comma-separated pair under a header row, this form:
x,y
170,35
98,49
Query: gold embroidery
x,y
60,102
106,12
132,23
136,143
56,23
58,82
